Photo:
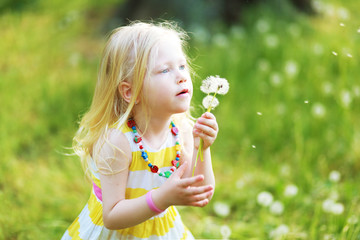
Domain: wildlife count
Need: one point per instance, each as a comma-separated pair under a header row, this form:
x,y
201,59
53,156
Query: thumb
x,y
181,170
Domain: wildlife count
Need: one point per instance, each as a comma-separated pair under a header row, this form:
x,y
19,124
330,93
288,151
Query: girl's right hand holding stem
x,y
182,191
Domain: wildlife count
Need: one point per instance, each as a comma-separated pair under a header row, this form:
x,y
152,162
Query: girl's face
x,y
169,88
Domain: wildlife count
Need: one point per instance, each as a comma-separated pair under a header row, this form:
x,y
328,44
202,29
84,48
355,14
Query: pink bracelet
x,y
151,204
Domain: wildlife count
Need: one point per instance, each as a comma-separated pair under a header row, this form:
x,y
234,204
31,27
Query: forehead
x,y
169,46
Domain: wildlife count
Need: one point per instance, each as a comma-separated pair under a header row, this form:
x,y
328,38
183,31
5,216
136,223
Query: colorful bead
x,y
153,168
174,131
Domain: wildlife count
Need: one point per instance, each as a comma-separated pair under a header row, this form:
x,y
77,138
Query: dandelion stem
x,y
200,149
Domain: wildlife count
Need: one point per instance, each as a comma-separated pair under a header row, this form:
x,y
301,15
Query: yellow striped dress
x,y
167,225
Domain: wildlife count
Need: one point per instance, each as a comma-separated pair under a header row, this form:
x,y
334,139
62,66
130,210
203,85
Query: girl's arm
x,y
119,212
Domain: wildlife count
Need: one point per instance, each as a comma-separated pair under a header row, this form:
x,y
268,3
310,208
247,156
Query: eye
x,y
182,67
165,70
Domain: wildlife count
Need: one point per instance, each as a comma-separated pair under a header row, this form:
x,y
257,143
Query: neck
x,y
155,131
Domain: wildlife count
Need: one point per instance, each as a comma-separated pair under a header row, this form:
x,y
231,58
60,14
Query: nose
x,y
182,78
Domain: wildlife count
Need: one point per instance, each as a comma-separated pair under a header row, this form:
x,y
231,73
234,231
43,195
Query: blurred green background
x,y
287,155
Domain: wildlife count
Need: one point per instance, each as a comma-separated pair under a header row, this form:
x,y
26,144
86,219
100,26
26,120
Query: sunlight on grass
x,y
286,158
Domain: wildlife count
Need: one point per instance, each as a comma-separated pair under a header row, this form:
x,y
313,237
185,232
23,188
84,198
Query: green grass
x,y
270,134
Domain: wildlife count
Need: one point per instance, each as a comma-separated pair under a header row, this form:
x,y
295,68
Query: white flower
x,y
271,40
277,208
291,190
221,209
291,68
265,199
318,110
225,231
279,232
334,176
210,101
215,84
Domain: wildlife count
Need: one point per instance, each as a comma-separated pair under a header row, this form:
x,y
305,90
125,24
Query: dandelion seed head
x,y
337,208
214,84
276,79
327,88
265,199
346,98
331,206
291,190
353,219
225,231
343,13
277,208
210,102
291,68
271,40
220,40
222,209
262,26
334,176
318,110
279,232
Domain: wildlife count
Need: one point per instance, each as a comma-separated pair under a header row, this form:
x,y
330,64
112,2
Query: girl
x,y
137,142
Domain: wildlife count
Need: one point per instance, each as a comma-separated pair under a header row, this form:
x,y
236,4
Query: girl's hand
x,y
182,191
205,128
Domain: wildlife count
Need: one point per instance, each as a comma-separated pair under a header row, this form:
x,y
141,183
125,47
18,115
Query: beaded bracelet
x,y
151,203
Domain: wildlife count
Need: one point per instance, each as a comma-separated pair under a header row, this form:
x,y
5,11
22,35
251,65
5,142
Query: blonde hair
x,y
126,57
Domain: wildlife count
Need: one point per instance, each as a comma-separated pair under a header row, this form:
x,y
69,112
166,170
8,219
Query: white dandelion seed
x,y
327,205
343,13
334,176
349,55
327,88
265,199
342,25
210,102
277,208
222,209
318,49
253,146
358,30
306,101
291,190
223,86
259,113
334,53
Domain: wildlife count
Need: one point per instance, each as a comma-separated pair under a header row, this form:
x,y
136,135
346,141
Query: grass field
x,y
287,158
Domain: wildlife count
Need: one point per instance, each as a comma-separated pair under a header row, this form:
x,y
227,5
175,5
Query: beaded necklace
x,y
155,169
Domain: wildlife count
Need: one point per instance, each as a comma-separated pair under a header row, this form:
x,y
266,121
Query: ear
x,y
125,91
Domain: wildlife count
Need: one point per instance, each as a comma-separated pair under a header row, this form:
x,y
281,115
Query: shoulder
x,y
112,152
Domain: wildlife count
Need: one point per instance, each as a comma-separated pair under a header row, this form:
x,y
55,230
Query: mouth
x,y
184,91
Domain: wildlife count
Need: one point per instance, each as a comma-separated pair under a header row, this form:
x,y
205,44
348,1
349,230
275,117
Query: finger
x,y
201,203
207,122
200,190
185,182
208,115
198,128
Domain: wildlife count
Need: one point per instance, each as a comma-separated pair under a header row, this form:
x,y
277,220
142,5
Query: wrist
x,y
158,200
